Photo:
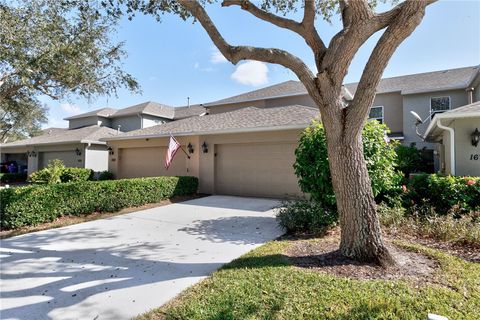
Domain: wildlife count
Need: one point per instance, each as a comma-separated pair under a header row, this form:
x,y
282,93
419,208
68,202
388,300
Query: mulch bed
x,y
322,255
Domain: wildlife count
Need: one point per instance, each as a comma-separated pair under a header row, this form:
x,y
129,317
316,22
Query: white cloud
x,y
252,73
71,109
196,65
217,57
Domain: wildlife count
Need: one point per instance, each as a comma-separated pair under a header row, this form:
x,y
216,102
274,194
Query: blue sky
x,y
173,60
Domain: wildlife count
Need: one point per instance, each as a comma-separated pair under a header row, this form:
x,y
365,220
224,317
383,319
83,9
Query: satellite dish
x,y
417,117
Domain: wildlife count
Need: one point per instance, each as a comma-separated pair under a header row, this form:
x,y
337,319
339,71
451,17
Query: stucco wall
x,y
420,103
464,150
392,110
476,94
303,100
96,157
235,106
128,123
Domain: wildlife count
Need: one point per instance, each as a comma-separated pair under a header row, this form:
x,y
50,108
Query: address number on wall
x,y
475,157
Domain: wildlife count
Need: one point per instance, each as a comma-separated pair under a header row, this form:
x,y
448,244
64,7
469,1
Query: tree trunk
x,y
361,237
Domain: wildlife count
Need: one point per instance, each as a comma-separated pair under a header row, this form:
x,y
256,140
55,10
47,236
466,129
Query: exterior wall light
x,y
31,154
204,147
110,151
190,148
78,152
475,137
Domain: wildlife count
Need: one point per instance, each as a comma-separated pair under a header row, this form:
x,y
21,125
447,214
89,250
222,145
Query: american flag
x,y
173,147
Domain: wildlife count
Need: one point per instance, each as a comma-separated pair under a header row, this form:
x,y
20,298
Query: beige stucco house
x,y
457,135
80,145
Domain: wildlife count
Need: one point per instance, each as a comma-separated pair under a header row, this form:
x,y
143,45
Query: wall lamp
x,y
78,152
110,151
204,147
31,154
475,137
190,148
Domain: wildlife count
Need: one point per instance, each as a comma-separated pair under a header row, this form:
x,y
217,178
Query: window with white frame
x,y
439,104
376,113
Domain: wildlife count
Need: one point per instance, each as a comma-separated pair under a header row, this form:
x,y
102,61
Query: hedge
x,y
37,204
443,193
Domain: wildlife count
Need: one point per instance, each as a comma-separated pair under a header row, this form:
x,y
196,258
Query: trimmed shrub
x,y
49,175
105,175
443,194
13,177
305,216
312,168
37,204
410,159
76,174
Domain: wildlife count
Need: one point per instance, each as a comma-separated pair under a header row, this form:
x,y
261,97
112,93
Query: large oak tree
x,y
361,236
54,48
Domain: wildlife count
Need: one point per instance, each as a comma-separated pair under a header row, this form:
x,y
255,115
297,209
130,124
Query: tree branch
x,y
306,28
354,11
234,54
407,20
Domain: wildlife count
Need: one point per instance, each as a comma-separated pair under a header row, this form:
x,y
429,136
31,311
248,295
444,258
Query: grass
x,y
264,285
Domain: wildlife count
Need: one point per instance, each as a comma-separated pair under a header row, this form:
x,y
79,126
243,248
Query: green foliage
x,y
311,165
54,48
37,204
12,177
49,175
443,193
76,174
299,216
409,159
105,175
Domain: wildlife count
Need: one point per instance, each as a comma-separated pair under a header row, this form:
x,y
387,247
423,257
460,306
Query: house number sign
x,y
475,157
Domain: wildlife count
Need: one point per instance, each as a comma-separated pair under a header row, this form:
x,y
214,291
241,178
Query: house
x,y
458,137
80,145
246,143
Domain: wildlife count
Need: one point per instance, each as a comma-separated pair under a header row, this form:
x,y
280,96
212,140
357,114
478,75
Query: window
x,y
376,113
439,105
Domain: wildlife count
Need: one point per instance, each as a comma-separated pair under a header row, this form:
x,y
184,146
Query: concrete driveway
x,y
120,267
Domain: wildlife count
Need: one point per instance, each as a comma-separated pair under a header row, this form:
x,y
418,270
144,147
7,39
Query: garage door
x,y
149,162
69,158
256,170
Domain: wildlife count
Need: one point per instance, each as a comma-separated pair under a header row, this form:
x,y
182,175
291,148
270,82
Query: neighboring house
x,y
458,134
80,145
249,151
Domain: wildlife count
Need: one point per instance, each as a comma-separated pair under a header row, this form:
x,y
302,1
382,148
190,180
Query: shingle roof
x,y
235,121
92,134
103,112
469,108
150,108
286,88
185,112
425,82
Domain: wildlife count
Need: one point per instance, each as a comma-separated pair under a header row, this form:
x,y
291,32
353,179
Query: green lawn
x,y
263,285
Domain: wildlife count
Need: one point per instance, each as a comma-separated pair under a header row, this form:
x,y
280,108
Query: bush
x,y
49,175
410,160
37,204
300,216
13,177
443,194
311,165
105,175
76,174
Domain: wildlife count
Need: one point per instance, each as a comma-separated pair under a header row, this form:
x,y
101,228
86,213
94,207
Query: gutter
x,y
205,133
452,145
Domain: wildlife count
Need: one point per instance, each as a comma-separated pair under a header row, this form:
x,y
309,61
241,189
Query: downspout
x,y
470,95
452,145
85,154
141,120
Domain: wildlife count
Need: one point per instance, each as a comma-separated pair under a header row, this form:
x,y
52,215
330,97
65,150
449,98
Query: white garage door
x,y
69,158
256,170
149,162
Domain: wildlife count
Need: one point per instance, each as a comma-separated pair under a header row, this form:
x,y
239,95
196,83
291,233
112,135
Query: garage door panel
x,y
150,162
256,170
69,158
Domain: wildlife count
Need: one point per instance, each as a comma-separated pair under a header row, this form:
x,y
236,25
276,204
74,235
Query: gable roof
x,y
451,79
91,134
242,120
103,112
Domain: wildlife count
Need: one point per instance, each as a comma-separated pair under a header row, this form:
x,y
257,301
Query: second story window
x,y
376,113
439,105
